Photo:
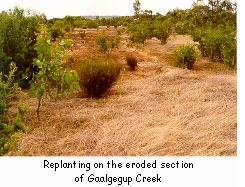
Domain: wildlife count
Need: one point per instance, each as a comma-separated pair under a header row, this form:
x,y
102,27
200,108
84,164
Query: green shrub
x,y
125,24
186,56
17,39
161,32
131,61
52,79
107,42
138,37
219,44
97,76
120,31
57,30
68,28
198,35
102,41
229,51
9,125
140,32
92,24
114,42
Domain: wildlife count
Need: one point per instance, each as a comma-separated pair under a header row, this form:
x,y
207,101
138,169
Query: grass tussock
x,y
97,76
131,61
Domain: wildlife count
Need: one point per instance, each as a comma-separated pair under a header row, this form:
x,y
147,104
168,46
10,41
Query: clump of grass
x,y
185,56
131,61
97,76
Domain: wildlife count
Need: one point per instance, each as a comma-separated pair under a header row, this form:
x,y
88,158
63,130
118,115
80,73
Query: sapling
x,y
52,79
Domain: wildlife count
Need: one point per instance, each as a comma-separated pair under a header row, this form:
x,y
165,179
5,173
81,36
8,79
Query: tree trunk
x,y
38,107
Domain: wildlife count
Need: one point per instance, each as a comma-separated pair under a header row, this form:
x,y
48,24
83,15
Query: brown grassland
x,y
156,110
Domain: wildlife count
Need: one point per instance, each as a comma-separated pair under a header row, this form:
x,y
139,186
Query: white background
x,y
207,171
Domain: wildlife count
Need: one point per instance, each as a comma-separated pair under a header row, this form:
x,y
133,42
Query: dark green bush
x,y
17,39
186,56
219,44
102,41
57,30
92,24
68,28
138,37
114,42
97,76
161,32
229,51
140,32
9,124
106,42
131,61
121,30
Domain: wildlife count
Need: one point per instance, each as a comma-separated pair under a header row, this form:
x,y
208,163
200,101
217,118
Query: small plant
x,y
102,41
114,42
131,61
186,56
82,34
120,31
138,37
97,76
52,79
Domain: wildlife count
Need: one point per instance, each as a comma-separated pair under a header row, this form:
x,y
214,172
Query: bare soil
x,y
158,109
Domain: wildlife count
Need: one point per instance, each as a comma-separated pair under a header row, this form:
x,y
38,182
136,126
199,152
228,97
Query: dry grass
x,y
156,110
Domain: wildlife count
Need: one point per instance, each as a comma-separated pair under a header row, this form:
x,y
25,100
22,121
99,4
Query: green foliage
x,y
68,28
212,25
219,44
57,30
97,76
125,24
106,42
52,79
161,31
114,41
17,39
140,32
102,41
120,31
131,61
92,24
229,51
184,27
185,56
80,23
9,125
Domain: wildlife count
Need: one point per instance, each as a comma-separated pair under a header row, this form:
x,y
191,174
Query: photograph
x,y
118,78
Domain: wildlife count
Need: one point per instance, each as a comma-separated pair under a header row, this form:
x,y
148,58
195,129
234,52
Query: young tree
x,y
52,79
137,6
